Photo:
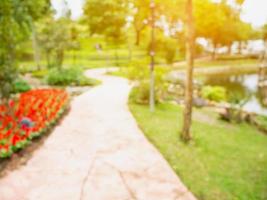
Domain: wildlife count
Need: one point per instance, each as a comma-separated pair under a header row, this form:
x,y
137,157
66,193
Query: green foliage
x,y
222,163
141,13
69,76
21,86
112,23
141,91
40,74
7,76
222,25
85,81
214,93
63,77
55,37
138,69
264,31
170,48
261,122
16,18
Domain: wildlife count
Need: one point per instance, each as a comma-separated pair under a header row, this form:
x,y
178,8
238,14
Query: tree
x,y
55,37
152,55
213,26
264,30
190,40
140,14
15,26
111,24
74,36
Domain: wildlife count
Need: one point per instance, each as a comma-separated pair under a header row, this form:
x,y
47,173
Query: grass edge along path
x,y
224,162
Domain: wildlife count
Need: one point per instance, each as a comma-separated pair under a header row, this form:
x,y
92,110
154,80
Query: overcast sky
x,y
254,11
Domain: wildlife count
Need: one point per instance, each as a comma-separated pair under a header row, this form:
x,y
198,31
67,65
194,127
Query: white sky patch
x,y
255,12
76,7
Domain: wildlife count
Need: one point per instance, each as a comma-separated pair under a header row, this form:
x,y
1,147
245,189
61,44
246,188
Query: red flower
x,y
15,139
40,106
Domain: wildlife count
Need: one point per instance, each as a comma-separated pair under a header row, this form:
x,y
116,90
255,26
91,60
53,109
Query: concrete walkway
x,y
97,153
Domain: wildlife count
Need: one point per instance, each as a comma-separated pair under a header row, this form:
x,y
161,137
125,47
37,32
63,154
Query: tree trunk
x,y
152,63
213,56
190,42
137,37
60,58
229,49
240,47
35,48
129,51
116,57
74,57
48,60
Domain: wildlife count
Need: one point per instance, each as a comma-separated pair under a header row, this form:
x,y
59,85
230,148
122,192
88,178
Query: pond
x,y
243,87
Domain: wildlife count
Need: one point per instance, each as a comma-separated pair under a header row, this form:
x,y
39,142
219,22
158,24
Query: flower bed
x,y
28,117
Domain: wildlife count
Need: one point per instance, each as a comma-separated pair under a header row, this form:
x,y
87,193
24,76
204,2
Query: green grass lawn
x,y
242,62
88,57
238,62
224,161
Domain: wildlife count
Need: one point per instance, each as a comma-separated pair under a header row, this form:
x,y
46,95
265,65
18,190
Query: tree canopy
x,y
16,18
106,17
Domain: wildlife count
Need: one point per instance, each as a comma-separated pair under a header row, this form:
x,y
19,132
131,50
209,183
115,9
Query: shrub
x,y
69,76
84,81
170,51
21,86
138,70
140,93
39,74
170,54
214,93
63,77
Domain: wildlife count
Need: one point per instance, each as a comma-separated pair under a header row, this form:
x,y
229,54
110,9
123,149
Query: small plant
x,y
21,86
235,112
39,74
63,77
214,93
140,93
69,76
170,49
138,70
84,81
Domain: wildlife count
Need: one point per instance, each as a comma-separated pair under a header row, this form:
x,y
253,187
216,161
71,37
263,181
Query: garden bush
x,y
140,93
39,74
84,81
138,70
214,93
69,76
21,86
170,49
63,77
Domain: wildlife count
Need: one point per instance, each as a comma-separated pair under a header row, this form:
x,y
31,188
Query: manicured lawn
x,y
230,63
224,162
242,62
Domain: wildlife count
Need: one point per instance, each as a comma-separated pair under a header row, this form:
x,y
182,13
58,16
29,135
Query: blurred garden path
x,y
97,153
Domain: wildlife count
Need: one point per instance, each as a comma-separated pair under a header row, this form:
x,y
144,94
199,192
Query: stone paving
x,y
97,153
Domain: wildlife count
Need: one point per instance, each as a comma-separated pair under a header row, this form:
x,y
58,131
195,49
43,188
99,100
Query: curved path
x,y
97,153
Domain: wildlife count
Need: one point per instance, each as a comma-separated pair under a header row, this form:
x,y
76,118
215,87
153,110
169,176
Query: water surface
x,y
243,87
